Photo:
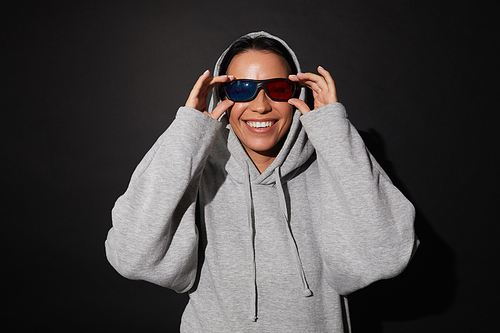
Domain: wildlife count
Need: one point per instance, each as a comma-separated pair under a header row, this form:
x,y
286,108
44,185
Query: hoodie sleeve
x,y
366,227
154,236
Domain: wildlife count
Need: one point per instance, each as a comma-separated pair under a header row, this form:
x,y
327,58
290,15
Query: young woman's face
x,y
261,123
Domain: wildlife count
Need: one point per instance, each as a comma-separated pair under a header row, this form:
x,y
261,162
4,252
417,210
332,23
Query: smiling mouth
x,y
260,124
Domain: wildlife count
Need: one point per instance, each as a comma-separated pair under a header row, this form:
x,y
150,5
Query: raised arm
x,y
154,235
367,224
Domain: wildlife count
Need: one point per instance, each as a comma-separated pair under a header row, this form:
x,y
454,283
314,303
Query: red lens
x,y
280,90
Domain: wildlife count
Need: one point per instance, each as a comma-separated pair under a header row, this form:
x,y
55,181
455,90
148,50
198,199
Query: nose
x,y
261,103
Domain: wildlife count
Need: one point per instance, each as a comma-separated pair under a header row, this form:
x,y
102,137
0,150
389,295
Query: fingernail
x,y
205,72
290,102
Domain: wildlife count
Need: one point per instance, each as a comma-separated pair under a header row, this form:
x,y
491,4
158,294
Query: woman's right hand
x,y
198,97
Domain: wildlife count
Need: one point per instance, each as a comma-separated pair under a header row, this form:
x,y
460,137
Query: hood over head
x,y
295,151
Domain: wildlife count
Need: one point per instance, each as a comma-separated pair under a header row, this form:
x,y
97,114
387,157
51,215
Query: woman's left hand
x,y
322,86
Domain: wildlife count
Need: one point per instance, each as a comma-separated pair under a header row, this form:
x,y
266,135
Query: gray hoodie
x,y
270,252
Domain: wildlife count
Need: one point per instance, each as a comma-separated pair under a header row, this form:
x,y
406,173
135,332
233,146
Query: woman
x,y
267,213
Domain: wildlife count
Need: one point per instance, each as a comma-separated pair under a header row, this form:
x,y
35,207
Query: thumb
x,y
299,104
221,108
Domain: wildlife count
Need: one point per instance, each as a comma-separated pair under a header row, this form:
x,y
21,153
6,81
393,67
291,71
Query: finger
x,y
192,100
214,81
203,85
201,80
313,81
218,80
221,108
206,82
331,83
328,78
299,104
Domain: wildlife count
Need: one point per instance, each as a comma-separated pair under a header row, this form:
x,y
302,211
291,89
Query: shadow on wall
x,y
428,285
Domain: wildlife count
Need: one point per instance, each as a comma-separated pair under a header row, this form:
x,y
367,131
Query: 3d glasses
x,y
280,90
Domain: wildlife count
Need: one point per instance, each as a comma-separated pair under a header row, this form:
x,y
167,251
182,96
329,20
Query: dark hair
x,y
259,43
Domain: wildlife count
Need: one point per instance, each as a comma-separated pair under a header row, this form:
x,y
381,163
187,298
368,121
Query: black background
x,y
88,86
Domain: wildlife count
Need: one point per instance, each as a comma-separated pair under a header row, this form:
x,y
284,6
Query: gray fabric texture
x,y
270,252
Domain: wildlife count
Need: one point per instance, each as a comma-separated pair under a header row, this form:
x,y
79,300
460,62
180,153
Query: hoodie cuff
x,y
334,112
337,109
197,121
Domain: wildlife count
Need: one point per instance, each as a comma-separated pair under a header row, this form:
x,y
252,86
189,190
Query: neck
x,y
265,158
261,161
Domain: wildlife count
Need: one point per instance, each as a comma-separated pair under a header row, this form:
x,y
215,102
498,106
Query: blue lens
x,y
241,90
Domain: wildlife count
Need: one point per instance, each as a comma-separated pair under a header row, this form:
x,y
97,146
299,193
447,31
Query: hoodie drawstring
x,y
291,241
249,202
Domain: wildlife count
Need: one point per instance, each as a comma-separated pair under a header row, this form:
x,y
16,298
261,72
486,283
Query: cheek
x,y
234,113
286,112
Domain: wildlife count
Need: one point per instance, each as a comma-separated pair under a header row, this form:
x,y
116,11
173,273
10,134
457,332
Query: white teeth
x,y
260,124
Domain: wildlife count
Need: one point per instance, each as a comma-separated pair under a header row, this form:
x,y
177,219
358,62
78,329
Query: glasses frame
x,y
261,84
